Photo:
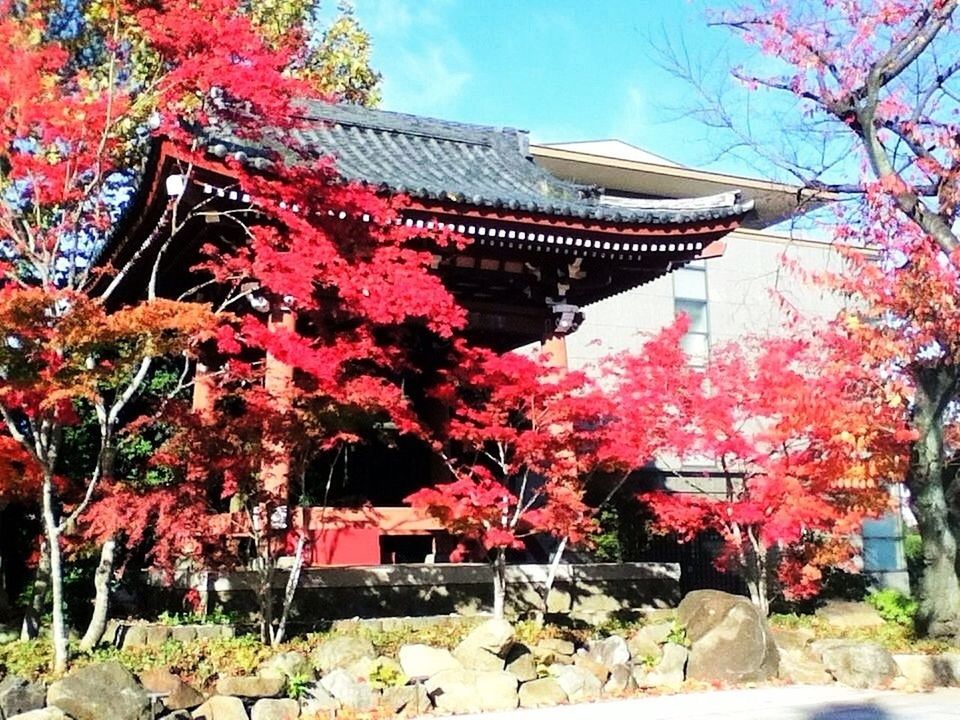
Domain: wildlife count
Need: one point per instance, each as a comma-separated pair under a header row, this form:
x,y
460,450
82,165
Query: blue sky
x,y
562,69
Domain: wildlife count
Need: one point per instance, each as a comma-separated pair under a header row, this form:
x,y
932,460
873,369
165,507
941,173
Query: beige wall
x,y
740,287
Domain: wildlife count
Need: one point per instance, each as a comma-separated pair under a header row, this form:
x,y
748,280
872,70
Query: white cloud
x,y
632,122
427,81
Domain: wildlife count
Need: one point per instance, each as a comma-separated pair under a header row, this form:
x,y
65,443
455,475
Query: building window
x,y
690,298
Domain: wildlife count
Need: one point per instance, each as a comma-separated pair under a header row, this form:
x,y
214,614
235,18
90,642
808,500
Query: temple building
x,y
592,241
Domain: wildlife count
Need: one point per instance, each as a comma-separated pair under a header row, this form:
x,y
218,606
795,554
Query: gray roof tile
x,y
483,166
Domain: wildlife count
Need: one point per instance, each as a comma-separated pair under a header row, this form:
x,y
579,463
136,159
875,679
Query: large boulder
x,y
412,698
271,709
341,652
668,673
520,663
476,658
858,664
106,690
176,694
462,691
288,665
929,671
579,685
220,707
423,661
729,638
495,636
847,614
18,695
610,651
250,686
47,713
545,692
349,691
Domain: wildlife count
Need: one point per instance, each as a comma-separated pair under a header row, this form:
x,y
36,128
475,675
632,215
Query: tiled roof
x,y
482,166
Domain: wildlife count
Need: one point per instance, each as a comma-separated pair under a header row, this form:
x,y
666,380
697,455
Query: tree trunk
x,y
41,583
939,589
101,603
552,574
52,533
499,583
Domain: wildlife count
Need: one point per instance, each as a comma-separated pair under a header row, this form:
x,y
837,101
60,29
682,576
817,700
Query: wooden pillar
x,y
202,402
278,381
554,347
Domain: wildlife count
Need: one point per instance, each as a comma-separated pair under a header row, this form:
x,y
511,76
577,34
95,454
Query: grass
x,y
894,636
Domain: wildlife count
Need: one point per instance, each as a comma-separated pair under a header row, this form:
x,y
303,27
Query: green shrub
x,y
894,606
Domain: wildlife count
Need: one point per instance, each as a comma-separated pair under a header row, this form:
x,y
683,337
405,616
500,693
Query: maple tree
x,y
876,81
797,451
85,88
518,447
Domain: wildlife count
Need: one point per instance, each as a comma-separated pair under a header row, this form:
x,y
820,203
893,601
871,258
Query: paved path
x,y
797,702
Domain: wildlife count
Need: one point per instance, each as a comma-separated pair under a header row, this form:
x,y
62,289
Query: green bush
x,y
894,606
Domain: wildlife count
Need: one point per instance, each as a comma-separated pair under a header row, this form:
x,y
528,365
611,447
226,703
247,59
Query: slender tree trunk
x,y
101,603
552,573
939,589
52,532
290,591
499,583
41,583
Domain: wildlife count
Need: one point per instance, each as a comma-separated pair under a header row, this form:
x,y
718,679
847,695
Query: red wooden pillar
x,y
278,381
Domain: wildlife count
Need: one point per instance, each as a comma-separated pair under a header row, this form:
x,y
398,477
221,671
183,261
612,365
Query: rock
x,y
220,707
802,666
473,657
288,665
668,673
729,638
412,698
319,702
621,681
610,651
183,633
135,636
579,685
379,672
349,691
100,691
930,671
495,636
18,696
317,711
159,681
423,661
545,692
341,652
207,632
157,635
643,647
48,713
550,650
250,686
585,662
268,709
845,614
792,638
177,695
472,690
520,664
858,664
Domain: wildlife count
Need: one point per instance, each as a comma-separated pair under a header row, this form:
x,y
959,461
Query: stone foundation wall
x,y
591,591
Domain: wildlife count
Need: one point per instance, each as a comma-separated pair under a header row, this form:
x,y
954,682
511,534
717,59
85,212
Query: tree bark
x,y
939,589
499,583
41,583
101,603
52,532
